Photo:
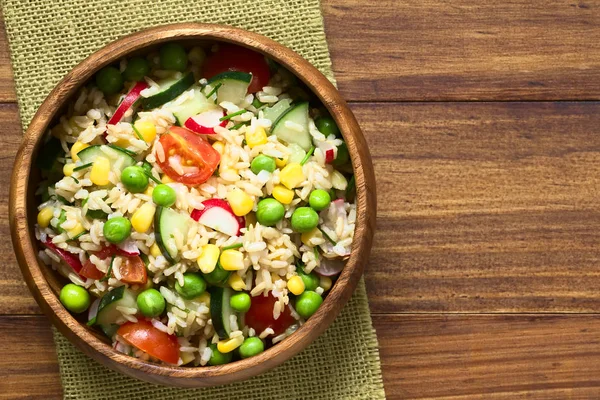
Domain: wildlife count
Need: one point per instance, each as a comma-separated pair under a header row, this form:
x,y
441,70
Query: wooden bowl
x,y
45,284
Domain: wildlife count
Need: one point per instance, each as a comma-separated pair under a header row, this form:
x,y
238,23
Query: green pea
x,y
218,358
117,229
269,212
319,199
304,219
109,80
343,157
164,195
136,69
311,281
151,303
75,298
193,285
261,163
308,303
252,346
173,57
218,275
240,302
327,126
134,179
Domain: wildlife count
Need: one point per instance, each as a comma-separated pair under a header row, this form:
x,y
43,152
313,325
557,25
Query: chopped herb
x,y
214,90
61,199
238,126
137,133
75,179
307,156
244,142
233,246
257,103
91,322
229,116
77,236
316,251
124,150
149,175
333,242
84,166
110,267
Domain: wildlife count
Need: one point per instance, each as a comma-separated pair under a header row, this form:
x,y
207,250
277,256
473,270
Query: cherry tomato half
x,y
196,156
235,58
260,315
146,337
133,271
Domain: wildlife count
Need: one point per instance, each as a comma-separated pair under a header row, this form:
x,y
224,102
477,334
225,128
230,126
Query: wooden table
x,y
484,130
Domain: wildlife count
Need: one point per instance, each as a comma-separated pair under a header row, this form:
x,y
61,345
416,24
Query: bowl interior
x,y
45,284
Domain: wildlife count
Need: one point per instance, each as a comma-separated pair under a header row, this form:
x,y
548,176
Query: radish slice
x,y
330,267
128,248
218,215
205,123
127,102
328,151
72,260
93,311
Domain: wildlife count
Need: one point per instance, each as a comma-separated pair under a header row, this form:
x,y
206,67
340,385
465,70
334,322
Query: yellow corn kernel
x,y
296,285
283,194
227,346
68,169
100,171
204,298
149,190
76,148
44,217
292,175
146,129
308,237
325,282
76,230
142,218
208,258
240,202
219,147
236,282
281,162
155,250
165,179
258,137
122,143
232,260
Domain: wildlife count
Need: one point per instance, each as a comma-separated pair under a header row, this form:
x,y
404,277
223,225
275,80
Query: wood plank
x,y
423,356
486,207
7,85
464,50
459,50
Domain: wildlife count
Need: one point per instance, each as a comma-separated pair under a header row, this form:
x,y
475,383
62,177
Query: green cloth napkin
x,y
48,37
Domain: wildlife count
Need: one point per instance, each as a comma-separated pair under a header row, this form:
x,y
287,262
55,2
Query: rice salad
x,y
200,201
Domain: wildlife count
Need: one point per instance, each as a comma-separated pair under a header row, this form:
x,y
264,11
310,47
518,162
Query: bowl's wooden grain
x,y
43,283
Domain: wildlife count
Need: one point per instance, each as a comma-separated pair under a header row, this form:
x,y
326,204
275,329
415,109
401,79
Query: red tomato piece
x,y
89,270
260,315
235,58
146,337
197,158
133,271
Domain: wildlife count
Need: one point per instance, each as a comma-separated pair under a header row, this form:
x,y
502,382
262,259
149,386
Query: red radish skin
x,y
205,123
71,259
329,157
328,151
217,214
127,102
128,248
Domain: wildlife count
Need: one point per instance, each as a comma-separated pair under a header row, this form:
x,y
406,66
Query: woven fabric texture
x,y
47,38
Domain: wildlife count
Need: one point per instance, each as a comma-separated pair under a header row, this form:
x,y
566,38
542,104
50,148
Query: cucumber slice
x,y
107,309
114,154
192,106
169,90
277,109
297,129
234,86
297,153
166,223
220,310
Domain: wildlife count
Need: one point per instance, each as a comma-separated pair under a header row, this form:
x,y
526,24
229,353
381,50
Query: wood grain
x,y
7,85
423,356
459,50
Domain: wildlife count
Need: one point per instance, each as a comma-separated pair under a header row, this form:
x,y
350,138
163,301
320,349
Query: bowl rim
x,y
26,249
